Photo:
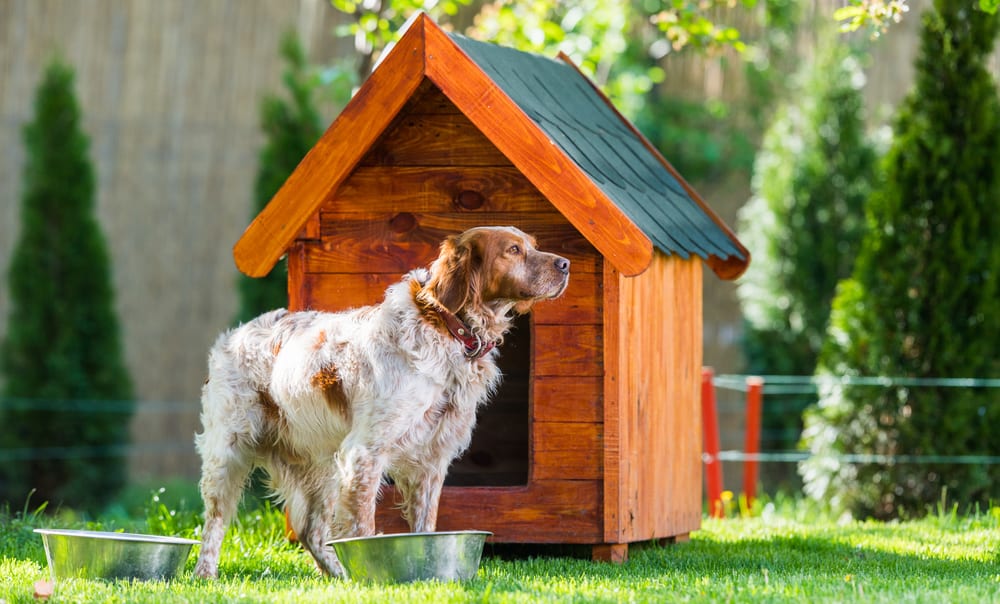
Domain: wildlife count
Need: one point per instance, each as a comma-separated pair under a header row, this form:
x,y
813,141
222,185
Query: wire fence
x,y
792,394
167,445
784,395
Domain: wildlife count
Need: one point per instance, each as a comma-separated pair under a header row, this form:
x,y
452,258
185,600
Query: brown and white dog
x,y
330,403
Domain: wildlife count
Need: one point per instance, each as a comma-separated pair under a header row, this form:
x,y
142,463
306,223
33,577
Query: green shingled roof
x,y
579,121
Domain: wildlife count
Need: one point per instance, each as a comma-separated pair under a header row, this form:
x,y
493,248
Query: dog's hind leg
x,y
224,472
310,509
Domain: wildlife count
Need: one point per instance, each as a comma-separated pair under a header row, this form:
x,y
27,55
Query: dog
x,y
329,404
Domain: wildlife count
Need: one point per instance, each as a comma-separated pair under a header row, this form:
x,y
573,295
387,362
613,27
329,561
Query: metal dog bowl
x,y
102,555
405,557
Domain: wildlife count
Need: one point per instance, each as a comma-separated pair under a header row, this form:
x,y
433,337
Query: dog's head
x,y
496,268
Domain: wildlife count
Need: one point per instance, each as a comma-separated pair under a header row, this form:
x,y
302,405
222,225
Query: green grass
x,y
783,555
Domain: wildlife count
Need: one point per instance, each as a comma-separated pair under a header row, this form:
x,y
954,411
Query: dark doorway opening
x,y
498,455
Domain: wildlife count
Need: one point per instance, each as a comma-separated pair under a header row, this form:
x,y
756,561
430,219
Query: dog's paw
x,y
205,571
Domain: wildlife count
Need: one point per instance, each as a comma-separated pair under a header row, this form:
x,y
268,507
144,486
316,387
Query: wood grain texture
x,y
565,450
330,161
568,350
430,189
299,297
614,438
580,304
521,141
658,429
567,399
611,405
428,99
615,553
440,139
334,292
340,291
355,242
556,511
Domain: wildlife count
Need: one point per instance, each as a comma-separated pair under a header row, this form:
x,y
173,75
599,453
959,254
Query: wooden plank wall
x,y
652,413
433,174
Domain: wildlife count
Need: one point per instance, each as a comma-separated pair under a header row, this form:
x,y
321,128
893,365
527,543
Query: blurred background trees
x,y
923,300
291,125
804,222
67,398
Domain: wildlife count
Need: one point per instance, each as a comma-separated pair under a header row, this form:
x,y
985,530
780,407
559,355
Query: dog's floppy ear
x,y
451,274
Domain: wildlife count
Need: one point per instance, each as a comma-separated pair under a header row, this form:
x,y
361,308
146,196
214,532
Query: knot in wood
x,y
402,222
470,200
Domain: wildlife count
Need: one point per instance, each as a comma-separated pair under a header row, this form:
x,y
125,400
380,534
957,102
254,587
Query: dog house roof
x,y
553,124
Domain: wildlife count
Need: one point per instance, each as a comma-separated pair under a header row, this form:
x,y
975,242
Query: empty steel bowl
x,y
405,557
103,555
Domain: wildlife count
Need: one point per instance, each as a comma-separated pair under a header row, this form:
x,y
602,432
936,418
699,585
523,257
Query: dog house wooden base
x,y
595,437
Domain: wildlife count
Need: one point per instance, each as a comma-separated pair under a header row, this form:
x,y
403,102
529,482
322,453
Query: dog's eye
x,y
514,250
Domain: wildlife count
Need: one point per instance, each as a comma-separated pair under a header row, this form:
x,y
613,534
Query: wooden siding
x,y
554,511
652,459
389,216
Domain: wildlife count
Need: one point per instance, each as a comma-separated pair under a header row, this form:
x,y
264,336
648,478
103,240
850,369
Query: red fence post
x,y
710,431
755,399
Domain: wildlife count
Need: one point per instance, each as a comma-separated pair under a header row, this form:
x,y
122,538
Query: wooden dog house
x,y
595,437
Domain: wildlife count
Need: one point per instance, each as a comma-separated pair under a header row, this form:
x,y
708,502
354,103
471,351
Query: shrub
x,y
803,224
924,297
62,357
291,128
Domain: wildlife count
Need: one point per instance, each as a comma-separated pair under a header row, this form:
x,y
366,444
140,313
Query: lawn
x,y
780,554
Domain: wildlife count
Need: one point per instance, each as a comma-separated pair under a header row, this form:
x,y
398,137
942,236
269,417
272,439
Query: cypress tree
x,y
291,128
67,398
804,223
924,297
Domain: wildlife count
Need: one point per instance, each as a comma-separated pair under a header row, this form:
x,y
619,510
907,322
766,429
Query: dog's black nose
x,y
562,265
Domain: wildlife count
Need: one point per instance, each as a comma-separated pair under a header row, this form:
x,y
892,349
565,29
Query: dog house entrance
x,y
498,455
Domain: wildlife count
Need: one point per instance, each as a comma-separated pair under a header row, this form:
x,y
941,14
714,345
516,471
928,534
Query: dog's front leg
x,y
421,485
421,492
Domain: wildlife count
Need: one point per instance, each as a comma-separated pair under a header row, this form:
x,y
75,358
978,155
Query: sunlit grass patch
x,y
777,553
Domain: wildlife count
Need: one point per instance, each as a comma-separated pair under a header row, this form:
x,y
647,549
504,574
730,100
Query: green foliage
x,y
535,25
621,47
874,15
804,223
924,297
172,518
877,15
688,24
376,24
679,24
291,127
771,58
618,45
700,138
62,341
